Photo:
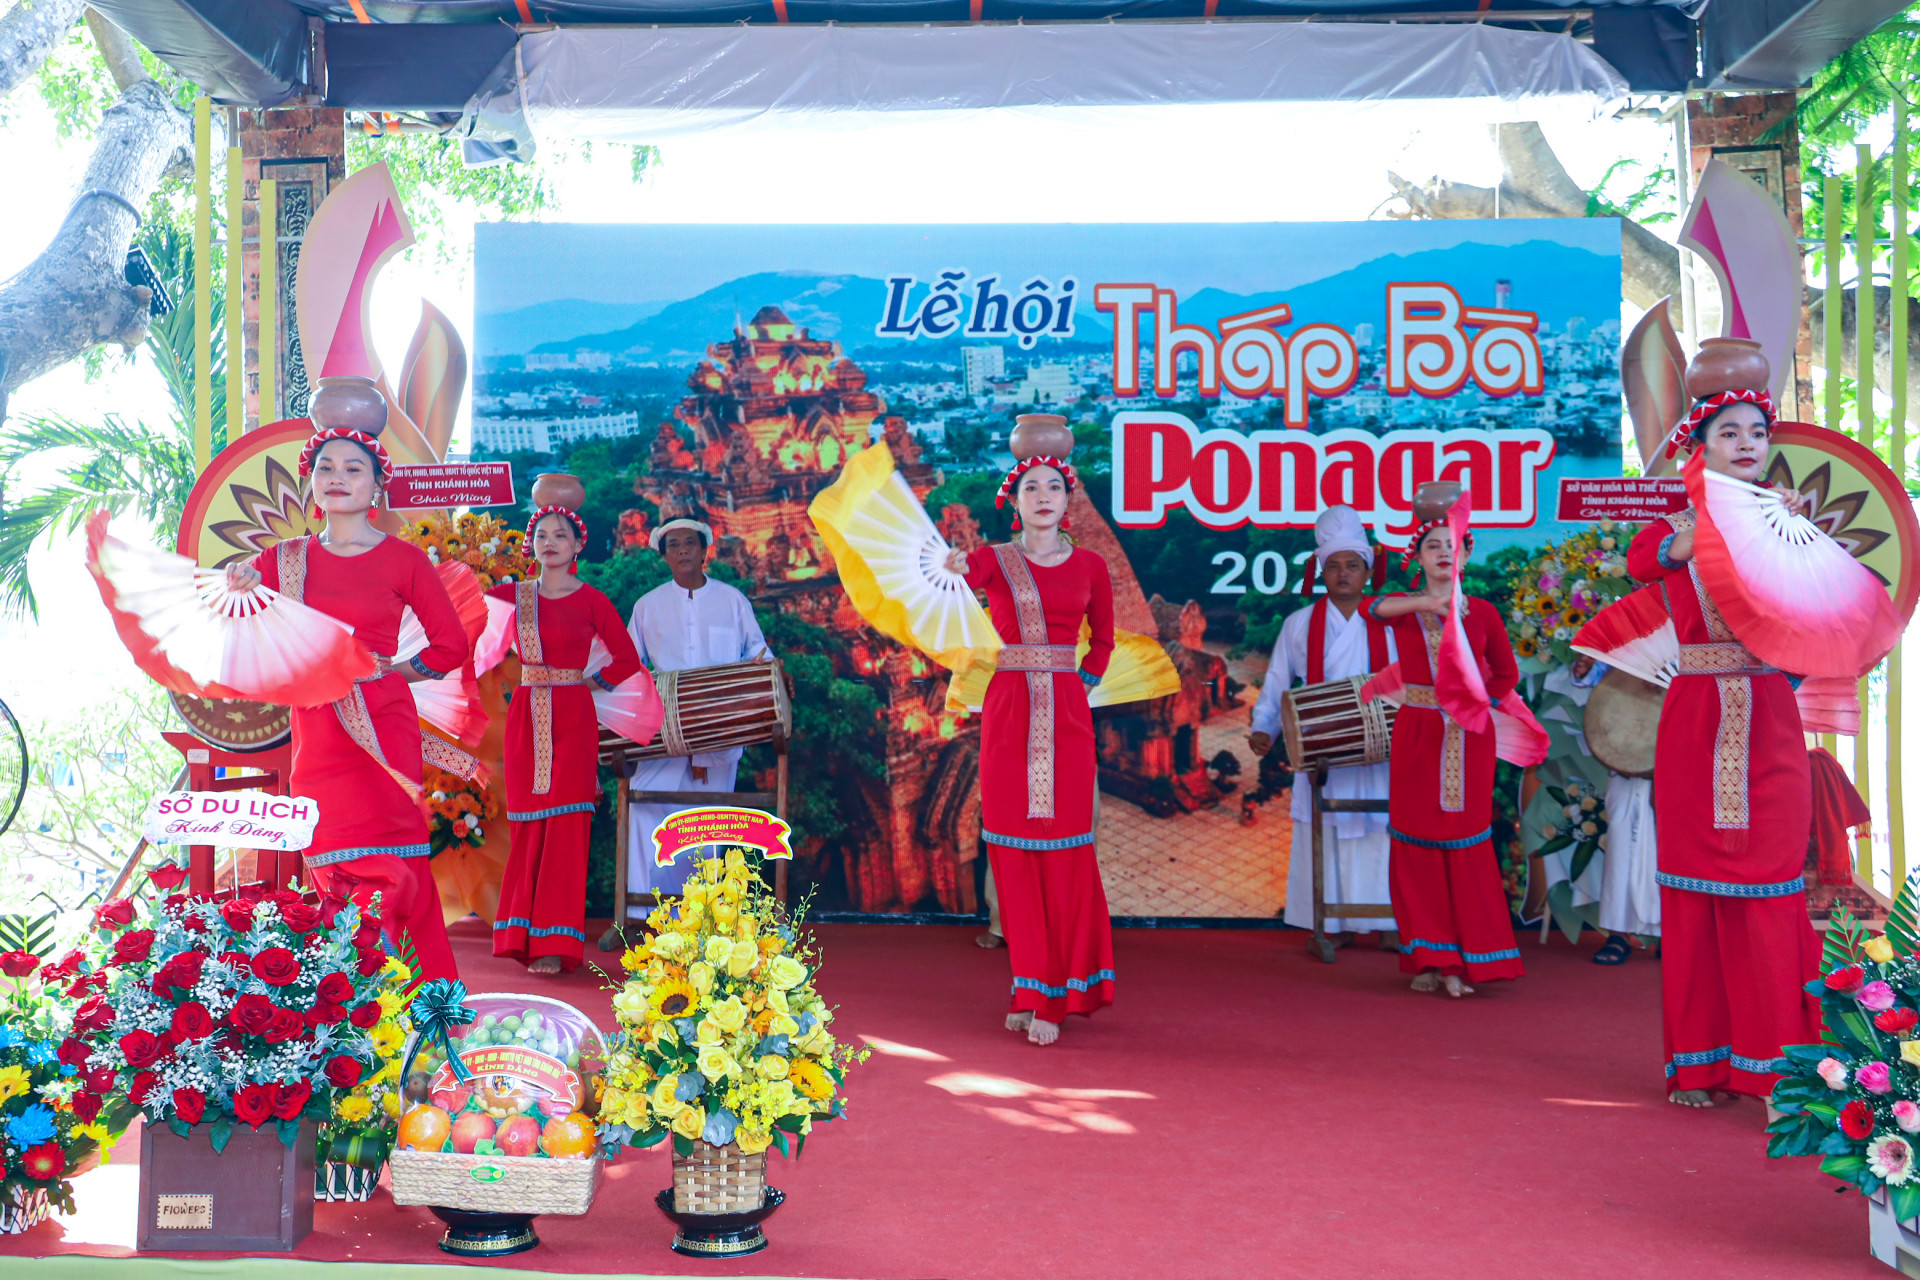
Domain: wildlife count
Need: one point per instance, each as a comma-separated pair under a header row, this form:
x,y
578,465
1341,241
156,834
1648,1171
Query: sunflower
x,y
515,537
1525,648
673,1000
423,528
810,1079
1573,618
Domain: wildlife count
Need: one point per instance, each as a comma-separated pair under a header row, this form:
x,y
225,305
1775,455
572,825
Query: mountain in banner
x,y
516,332
1555,280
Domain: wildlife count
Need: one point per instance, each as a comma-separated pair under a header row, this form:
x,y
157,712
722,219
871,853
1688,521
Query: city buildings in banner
x,y
1226,383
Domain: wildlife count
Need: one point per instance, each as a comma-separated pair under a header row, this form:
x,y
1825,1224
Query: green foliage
x,y
1634,189
1902,929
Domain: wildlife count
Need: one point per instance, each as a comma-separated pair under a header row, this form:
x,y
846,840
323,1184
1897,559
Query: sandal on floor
x,y
1615,950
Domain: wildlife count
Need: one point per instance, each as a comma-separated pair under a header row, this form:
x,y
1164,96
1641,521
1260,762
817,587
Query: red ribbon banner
x,y
736,828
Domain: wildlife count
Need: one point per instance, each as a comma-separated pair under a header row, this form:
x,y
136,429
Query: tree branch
x,y
75,296
29,32
117,50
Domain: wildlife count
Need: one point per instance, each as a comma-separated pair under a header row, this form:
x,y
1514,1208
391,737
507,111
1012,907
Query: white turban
x,y
1339,529
659,535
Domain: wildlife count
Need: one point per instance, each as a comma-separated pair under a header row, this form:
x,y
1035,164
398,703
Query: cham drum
x,y
736,704
1329,726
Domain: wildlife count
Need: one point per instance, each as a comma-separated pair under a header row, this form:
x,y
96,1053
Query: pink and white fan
x,y
1518,738
631,708
193,635
1634,634
1791,594
452,703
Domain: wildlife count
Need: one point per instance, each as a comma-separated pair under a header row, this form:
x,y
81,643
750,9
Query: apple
x,y
469,1128
452,1101
519,1136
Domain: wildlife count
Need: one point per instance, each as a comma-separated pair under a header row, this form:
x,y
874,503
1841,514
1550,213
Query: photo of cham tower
x,y
773,413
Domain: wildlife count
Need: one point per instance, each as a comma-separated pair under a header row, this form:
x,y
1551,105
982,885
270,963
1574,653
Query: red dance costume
x,y
350,756
552,759
1037,776
1448,897
1733,815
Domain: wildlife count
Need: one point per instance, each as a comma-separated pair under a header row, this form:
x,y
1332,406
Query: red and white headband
x,y
573,518
1419,535
1683,438
1012,481
383,465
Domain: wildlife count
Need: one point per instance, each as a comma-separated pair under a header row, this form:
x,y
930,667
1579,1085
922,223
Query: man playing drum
x,y
692,621
1330,640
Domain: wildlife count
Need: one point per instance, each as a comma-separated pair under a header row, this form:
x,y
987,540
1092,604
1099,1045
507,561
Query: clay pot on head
x,y
1432,500
557,489
1040,435
349,401
1728,364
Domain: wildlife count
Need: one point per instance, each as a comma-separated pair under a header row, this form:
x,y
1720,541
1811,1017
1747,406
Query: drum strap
x,y
1317,641
539,696
1032,617
355,716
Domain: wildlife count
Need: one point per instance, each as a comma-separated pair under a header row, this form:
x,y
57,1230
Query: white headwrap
x,y
659,535
1339,529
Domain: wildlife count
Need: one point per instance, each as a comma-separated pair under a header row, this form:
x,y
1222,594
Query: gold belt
x,y
1421,695
1037,657
531,673
1722,658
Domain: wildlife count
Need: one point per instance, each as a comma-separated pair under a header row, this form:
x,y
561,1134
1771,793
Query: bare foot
x,y
1042,1032
1691,1098
1019,1021
989,940
1455,987
546,966
1427,981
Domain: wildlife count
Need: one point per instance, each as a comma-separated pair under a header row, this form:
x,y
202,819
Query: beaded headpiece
x,y
1688,434
573,518
383,465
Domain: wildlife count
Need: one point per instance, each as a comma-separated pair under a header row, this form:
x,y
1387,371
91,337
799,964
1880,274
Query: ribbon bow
x,y
438,1007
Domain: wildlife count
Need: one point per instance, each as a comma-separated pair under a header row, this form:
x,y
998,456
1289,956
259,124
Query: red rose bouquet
x,y
252,1010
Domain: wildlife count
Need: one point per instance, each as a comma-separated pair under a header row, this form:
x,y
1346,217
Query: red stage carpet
x,y
1243,1111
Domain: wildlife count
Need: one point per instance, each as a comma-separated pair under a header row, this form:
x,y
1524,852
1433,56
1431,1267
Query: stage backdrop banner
x,y
1226,383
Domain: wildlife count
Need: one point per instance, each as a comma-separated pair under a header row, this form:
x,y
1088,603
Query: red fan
x,y
192,635
497,638
1792,595
1829,704
1635,634
631,708
1518,738
468,600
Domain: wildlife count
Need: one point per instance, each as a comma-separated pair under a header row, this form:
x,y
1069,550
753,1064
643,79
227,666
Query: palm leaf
x,y
27,933
1903,926
1846,941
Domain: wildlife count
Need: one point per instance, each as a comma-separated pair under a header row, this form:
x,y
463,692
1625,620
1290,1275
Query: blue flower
x,y
35,1125
720,1128
40,1053
690,1086
773,1044
9,1036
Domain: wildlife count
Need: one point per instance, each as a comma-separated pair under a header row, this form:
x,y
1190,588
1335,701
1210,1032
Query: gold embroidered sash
x,y
355,716
1733,736
1453,745
1037,657
539,691
1032,617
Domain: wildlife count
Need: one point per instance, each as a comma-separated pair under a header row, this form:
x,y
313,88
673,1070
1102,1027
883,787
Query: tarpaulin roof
x,y
437,55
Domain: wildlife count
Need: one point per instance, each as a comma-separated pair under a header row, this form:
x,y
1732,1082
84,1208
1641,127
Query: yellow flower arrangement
x,y
723,1037
485,543
366,1117
1560,589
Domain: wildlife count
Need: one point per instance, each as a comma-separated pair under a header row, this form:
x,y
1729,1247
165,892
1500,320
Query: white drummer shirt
x,y
1345,655
675,630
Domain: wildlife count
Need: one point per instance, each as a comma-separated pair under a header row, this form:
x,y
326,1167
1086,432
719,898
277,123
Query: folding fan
x,y
893,563
1518,738
1634,633
496,638
193,635
631,708
1790,593
1138,671
1829,704
450,704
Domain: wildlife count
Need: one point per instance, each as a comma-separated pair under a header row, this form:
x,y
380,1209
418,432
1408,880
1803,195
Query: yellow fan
x,y
1138,672
893,563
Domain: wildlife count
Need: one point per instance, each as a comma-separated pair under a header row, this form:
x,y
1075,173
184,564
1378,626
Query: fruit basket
x,y
497,1126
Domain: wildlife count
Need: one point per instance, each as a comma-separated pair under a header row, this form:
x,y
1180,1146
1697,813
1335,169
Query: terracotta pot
x,y
557,489
350,401
1432,499
1040,435
1728,364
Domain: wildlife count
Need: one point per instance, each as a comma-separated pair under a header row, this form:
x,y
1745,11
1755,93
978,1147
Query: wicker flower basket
x,y
718,1179
338,1180
22,1210
493,1184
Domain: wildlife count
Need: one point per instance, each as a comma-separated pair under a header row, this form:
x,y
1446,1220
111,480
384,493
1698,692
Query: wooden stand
x,y
254,1196
274,867
616,757
1321,945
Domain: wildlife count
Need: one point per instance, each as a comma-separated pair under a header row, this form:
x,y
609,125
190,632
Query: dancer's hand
x,y
1796,503
957,562
1260,742
242,576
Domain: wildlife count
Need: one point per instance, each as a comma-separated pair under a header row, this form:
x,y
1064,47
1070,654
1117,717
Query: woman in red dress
x,y
1037,774
553,747
1448,896
1733,813
359,758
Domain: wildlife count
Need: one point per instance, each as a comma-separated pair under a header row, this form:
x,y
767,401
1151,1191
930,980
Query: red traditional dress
x,y
355,757
1448,897
1037,775
1733,814
552,759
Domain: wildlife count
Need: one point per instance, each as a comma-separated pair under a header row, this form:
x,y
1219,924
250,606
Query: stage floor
x,y
1243,1111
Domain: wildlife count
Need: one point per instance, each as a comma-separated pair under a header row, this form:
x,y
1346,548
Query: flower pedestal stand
x,y
718,1200
1893,1242
254,1195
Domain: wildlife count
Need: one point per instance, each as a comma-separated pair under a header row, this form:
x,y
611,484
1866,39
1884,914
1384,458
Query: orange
x,y
424,1128
570,1135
